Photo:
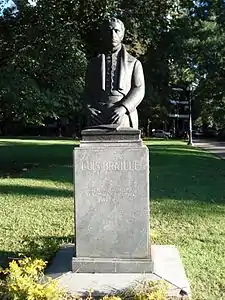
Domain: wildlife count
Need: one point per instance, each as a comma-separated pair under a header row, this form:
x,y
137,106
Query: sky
x,y
4,4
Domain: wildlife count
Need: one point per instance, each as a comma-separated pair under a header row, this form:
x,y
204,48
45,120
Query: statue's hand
x,y
117,113
96,114
94,111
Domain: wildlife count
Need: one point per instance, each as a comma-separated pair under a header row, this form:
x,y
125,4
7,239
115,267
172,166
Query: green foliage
x,y
23,281
197,52
21,98
42,71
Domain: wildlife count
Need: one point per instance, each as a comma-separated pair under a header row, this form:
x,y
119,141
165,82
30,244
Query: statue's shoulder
x,y
134,61
131,57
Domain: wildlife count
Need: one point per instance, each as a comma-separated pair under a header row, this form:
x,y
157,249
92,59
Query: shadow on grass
x,y
6,257
176,171
36,247
15,156
183,173
32,191
61,174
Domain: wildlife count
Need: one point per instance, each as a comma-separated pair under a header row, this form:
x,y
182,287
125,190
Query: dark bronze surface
x,y
114,82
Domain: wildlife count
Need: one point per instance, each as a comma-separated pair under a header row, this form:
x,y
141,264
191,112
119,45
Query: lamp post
x,y
176,112
189,91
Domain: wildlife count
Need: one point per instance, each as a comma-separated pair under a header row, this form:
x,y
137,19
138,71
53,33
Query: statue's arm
x,y
137,91
92,111
87,88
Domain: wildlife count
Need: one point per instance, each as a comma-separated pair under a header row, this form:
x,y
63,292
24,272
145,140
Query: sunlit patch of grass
x,y
34,211
37,203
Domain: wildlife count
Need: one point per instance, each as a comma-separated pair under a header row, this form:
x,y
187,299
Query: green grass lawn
x,y
187,205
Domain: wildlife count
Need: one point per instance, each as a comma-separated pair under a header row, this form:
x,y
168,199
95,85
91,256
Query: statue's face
x,y
113,35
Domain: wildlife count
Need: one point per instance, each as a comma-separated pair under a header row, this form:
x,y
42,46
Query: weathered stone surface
x,y
106,137
101,265
112,205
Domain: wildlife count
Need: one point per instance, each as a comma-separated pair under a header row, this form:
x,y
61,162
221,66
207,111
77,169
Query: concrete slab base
x,y
104,265
167,266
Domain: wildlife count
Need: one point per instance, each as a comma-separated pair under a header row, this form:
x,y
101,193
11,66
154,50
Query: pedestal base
x,y
167,266
104,265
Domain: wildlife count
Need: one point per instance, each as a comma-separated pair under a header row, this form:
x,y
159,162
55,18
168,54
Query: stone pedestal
x,y
112,203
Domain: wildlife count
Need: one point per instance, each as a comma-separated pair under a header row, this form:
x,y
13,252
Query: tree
x,y
43,71
178,42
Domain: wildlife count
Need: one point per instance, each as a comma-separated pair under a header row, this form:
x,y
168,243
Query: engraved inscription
x,y
124,165
105,196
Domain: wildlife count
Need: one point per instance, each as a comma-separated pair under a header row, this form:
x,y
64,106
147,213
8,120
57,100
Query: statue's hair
x,y
113,20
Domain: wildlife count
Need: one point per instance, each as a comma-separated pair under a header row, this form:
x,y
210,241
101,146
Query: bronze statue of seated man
x,y
114,82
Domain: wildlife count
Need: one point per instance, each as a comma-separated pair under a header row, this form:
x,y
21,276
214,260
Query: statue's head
x,y
112,33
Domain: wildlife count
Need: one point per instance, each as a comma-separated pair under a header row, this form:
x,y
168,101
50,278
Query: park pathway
x,y
215,147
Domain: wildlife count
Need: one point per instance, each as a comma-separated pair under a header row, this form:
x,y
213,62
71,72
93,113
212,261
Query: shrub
x,y
25,280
